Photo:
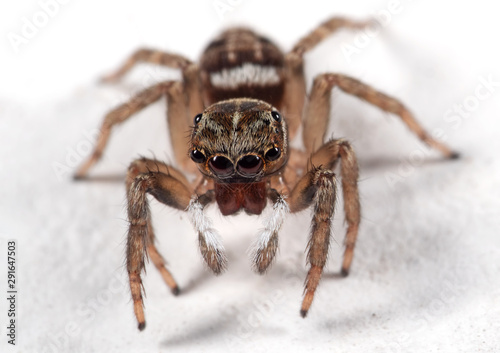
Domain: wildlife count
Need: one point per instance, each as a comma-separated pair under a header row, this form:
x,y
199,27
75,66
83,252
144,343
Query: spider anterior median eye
x,y
197,156
197,118
273,154
221,166
250,164
276,115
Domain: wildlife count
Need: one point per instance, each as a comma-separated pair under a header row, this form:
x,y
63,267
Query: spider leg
x,y
324,30
318,187
178,120
140,240
118,116
328,155
148,56
144,165
295,87
318,110
190,75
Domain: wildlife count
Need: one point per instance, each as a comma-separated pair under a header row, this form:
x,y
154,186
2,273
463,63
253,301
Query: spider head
x,y
239,140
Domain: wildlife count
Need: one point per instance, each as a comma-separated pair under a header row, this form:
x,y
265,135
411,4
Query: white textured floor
x,y
425,276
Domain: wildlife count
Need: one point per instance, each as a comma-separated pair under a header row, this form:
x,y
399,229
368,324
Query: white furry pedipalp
x,y
273,224
203,225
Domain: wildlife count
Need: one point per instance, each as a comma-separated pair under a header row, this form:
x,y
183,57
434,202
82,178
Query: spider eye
x,y
197,156
250,164
221,166
276,115
273,154
197,118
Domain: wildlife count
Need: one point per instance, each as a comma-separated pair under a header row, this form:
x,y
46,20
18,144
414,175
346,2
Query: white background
x,y
425,272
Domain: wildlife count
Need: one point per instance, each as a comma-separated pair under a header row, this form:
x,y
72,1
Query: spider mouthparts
x,y
141,326
454,155
303,313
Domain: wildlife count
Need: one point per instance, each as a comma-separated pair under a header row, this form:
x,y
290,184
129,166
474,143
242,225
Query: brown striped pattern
x,y
235,48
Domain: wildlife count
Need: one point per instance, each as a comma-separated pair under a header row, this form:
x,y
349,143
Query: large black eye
x,y
276,115
273,154
221,166
197,118
197,156
249,165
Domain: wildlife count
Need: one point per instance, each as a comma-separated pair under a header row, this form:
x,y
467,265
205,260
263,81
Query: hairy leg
x,y
318,110
328,155
166,189
119,115
190,77
318,187
324,30
151,56
295,88
145,165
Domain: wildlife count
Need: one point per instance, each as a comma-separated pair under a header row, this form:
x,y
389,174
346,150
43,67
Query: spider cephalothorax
x,y
239,140
248,100
238,143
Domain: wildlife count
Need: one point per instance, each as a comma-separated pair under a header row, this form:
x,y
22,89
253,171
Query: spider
x,y
248,100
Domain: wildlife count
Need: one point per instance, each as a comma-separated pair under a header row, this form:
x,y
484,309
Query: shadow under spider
x,y
393,162
201,277
107,178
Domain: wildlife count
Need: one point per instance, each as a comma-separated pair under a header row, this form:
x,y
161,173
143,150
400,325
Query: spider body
x,y
248,100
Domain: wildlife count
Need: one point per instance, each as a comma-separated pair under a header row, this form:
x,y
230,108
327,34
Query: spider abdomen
x,y
240,63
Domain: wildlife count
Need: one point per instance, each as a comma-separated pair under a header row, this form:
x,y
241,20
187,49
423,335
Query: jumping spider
x,y
248,99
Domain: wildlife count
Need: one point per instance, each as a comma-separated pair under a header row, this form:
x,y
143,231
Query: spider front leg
x,y
153,177
328,155
320,184
145,165
318,188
